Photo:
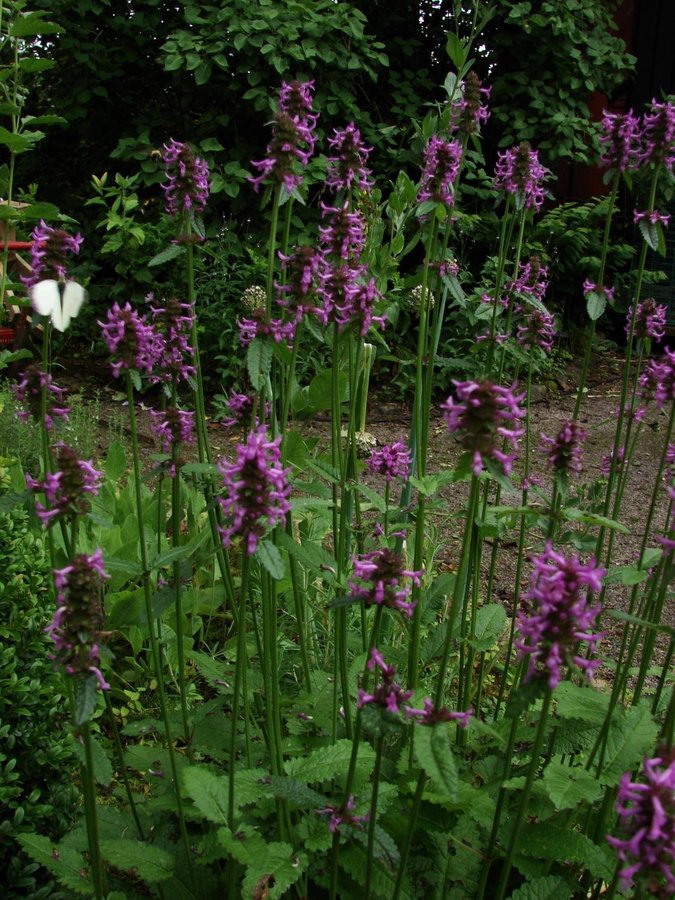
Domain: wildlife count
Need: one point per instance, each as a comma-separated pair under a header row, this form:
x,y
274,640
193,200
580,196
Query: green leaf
x,y
328,762
490,621
31,65
208,791
271,559
312,556
577,515
103,770
115,462
455,50
86,696
320,387
596,301
567,787
628,575
585,703
376,499
65,863
144,860
630,738
172,252
31,25
552,842
258,362
650,233
271,869
624,616
40,211
550,887
16,143
434,754
296,794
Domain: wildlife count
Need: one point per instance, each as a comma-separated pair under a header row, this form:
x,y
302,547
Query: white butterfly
x,y
60,300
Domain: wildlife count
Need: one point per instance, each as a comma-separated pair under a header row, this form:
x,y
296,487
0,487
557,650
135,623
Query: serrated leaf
x,y
553,842
271,559
630,738
172,252
490,621
596,301
65,863
31,25
258,362
585,703
434,754
115,462
146,861
566,787
86,697
549,887
296,793
353,860
271,869
649,232
328,762
103,770
577,515
208,791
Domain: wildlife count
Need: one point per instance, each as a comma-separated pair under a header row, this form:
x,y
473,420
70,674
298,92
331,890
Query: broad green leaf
x,y
103,770
566,787
596,301
148,862
271,559
630,738
115,462
65,863
552,842
628,575
577,515
271,869
312,556
328,762
16,143
353,860
649,232
296,794
549,887
258,362
490,621
86,697
373,497
434,754
585,703
455,50
172,252
31,25
319,393
40,211
208,791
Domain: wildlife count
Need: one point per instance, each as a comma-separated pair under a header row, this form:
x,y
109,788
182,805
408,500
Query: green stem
x,y
370,856
89,786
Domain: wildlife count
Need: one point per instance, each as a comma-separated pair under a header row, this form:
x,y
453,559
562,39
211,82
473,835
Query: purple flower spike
x,y
565,452
292,139
380,580
347,169
647,810
620,142
468,113
431,716
657,382
343,815
129,337
560,615
388,695
483,413
29,392
173,426
344,237
659,134
536,328
650,320
256,490
519,172
299,293
442,160
187,187
653,217
240,407
606,463
76,628
66,489
532,279
392,461
48,254
174,321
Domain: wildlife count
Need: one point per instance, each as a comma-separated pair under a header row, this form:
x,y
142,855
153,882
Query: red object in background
x,y
18,245
7,337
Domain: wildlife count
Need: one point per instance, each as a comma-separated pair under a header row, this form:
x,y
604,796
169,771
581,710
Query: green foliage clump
x,y
36,750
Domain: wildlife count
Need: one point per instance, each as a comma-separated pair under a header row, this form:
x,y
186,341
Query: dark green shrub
x,y
37,760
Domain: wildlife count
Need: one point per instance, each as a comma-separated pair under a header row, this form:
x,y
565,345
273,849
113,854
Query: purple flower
x,y
392,461
442,160
344,237
78,621
431,716
187,187
653,217
648,813
658,379
620,141
347,168
519,172
532,279
388,695
560,615
65,490
129,337
173,426
29,392
240,407
536,328
659,134
468,113
48,253
343,815
650,320
606,463
299,292
256,490
483,413
379,579
565,452
174,322
670,470
292,138
258,326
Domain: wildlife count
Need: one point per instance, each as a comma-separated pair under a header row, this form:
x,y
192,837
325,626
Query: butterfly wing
x,y
45,297
72,298
60,301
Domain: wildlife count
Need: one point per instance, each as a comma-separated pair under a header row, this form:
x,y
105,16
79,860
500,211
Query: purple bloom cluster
x,y
78,620
48,253
653,217
343,815
432,716
560,616
173,426
620,141
347,168
532,279
135,343
187,188
65,490
28,391
292,138
299,293
389,695
606,463
657,382
647,810
174,321
650,320
659,134
519,172
442,160
536,328
565,452
670,470
392,461
240,407
259,326
483,413
468,113
256,489
379,579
